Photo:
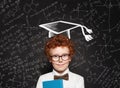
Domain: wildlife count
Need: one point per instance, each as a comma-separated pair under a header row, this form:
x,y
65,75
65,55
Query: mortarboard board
x,y
59,27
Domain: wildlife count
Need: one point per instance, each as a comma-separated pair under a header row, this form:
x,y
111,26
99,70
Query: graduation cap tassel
x,y
87,36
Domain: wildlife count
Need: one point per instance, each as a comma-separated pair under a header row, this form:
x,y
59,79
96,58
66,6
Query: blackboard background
x,y
22,58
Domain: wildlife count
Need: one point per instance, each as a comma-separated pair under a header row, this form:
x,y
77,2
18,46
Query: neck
x,y
61,72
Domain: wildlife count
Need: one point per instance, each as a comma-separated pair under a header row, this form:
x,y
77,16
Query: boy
x,y
59,50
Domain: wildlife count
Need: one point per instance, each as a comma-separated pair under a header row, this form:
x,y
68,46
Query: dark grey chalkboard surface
x,y
22,58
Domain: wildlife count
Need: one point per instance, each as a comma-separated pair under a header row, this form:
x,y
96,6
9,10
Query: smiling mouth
x,y
60,64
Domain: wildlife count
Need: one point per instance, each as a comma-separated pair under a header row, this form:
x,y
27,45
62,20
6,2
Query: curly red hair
x,y
59,40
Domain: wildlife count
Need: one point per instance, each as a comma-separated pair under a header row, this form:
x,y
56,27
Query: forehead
x,y
59,50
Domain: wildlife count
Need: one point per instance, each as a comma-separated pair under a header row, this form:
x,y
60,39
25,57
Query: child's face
x,y
60,58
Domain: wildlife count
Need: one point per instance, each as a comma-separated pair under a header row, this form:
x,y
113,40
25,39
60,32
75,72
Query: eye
x,y
55,56
65,55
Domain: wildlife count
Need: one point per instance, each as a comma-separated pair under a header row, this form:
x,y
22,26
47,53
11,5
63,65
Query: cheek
x,y
69,59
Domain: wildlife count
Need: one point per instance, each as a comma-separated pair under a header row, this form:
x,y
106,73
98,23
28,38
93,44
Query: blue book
x,y
53,84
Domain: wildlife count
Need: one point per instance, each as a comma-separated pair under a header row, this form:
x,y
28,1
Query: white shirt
x,y
75,80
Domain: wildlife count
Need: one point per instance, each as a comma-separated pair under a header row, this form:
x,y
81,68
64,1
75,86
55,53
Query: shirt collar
x,y
56,73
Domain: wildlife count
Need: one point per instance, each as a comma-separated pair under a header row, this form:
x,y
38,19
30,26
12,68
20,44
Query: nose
x,y
60,59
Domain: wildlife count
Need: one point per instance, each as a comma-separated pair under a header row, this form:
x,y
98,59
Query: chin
x,y
61,70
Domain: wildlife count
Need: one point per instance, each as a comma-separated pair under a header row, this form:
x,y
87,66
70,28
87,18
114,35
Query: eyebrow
x,y
61,54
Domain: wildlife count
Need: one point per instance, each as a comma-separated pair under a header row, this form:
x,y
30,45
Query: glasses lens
x,y
55,57
65,56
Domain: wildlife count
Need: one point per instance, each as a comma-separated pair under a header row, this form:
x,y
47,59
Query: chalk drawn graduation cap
x,y
59,27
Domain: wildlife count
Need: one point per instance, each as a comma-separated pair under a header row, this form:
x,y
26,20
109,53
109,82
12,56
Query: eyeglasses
x,y
57,57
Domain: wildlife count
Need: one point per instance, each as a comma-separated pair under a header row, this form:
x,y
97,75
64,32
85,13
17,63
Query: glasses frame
x,y
64,57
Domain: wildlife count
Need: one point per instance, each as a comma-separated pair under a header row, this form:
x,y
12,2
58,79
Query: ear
x,y
50,60
70,59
